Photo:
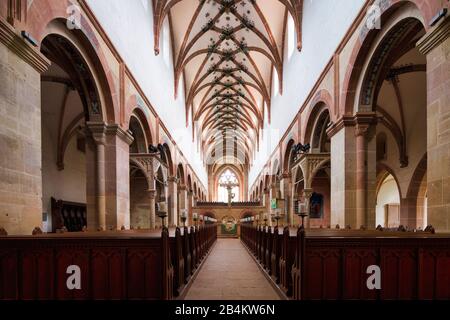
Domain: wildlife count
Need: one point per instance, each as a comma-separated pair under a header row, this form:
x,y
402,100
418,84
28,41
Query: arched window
x,y
275,83
228,180
291,36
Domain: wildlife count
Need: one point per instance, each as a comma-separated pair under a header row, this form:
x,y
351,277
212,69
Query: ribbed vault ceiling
x,y
226,51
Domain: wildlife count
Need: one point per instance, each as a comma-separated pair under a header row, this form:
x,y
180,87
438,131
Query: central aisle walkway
x,y
230,273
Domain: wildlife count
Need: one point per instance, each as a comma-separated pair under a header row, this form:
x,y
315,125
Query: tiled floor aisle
x,y
229,273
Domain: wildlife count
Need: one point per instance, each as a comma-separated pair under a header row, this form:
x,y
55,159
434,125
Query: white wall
x,y
129,24
325,23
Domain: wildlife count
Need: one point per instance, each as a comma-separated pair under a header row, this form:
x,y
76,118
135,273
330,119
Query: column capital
x,y
286,175
172,179
361,130
308,192
363,122
98,131
117,130
434,36
344,121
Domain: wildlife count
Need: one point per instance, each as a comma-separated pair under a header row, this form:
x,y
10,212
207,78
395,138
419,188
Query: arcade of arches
x,y
367,146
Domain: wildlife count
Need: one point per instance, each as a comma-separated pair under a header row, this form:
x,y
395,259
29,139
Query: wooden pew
x,y
113,265
178,261
128,264
275,254
286,261
333,264
187,254
268,249
193,248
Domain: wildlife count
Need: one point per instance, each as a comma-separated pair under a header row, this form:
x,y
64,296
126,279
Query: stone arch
x,y
169,159
180,174
298,181
383,173
189,183
261,190
316,125
83,48
139,113
405,11
288,158
266,181
140,141
195,190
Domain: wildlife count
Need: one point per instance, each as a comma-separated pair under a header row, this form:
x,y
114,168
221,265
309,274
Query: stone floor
x,y
230,273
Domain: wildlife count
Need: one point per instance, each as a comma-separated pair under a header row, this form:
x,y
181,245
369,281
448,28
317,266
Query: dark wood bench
x,y
113,265
127,264
332,264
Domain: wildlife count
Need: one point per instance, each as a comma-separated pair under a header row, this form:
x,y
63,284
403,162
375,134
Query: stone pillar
x,y
108,169
343,173
286,194
172,201
117,177
267,197
436,46
152,215
189,207
365,170
294,220
307,193
195,198
182,205
20,133
361,175
98,131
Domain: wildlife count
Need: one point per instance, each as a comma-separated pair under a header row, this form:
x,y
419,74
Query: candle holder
x,y
162,212
277,217
195,218
302,215
183,217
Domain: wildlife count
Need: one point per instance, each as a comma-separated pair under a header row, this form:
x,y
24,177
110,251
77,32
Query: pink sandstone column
x,y
98,134
151,197
361,175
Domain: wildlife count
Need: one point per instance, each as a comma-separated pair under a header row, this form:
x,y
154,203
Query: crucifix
x,y
229,185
